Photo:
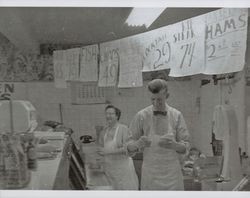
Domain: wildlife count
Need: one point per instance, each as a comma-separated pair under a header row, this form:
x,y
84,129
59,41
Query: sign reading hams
x,y
226,34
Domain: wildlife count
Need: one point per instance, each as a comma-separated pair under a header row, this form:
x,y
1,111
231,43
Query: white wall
x,y
212,95
184,95
82,118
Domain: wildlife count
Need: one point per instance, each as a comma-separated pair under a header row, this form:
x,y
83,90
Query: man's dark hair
x,y
117,111
156,85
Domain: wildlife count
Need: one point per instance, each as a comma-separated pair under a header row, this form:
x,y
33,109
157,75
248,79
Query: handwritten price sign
x,y
89,63
226,34
188,47
188,54
156,49
73,63
109,64
61,71
130,74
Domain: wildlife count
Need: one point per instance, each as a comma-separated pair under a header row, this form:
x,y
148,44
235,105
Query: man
x,y
160,132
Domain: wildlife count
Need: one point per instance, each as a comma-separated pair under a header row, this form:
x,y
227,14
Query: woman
x,y
118,166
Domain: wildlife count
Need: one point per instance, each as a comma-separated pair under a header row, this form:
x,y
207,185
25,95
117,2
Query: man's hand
x,y
138,145
144,141
172,144
168,143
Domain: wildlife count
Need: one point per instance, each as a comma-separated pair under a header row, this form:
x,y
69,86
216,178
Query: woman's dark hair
x,y
156,85
117,111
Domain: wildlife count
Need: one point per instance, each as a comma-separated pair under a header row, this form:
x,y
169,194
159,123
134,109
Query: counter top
x,y
43,178
96,179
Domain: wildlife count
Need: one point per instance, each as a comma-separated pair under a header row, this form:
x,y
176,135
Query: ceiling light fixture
x,y
143,16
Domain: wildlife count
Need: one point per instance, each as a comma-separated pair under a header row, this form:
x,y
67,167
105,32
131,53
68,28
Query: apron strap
x,y
116,132
170,128
105,136
115,135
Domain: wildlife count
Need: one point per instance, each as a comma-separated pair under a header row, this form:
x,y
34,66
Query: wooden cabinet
x,y
70,174
62,176
77,173
65,172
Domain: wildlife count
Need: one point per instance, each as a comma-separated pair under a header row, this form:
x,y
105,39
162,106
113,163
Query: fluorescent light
x,y
143,16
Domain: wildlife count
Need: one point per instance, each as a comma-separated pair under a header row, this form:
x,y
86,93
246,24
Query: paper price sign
x,y
226,34
156,49
109,64
188,47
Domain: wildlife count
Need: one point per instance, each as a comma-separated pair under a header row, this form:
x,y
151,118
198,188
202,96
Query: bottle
x,y
31,156
2,167
10,163
24,172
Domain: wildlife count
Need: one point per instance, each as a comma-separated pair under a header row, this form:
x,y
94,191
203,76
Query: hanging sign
x,y
89,63
156,49
188,47
73,63
109,63
60,69
226,35
130,74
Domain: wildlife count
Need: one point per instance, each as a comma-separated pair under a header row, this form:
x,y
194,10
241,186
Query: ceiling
x,y
28,27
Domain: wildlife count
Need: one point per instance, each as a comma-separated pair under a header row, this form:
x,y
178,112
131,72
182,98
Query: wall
x,y
212,95
184,95
46,99
18,66
195,102
82,118
247,98
247,91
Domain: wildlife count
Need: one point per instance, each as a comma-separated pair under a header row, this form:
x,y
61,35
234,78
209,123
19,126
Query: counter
x,y
96,178
212,185
52,174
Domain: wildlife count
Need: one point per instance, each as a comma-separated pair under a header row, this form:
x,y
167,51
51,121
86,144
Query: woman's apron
x,y
161,168
119,168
